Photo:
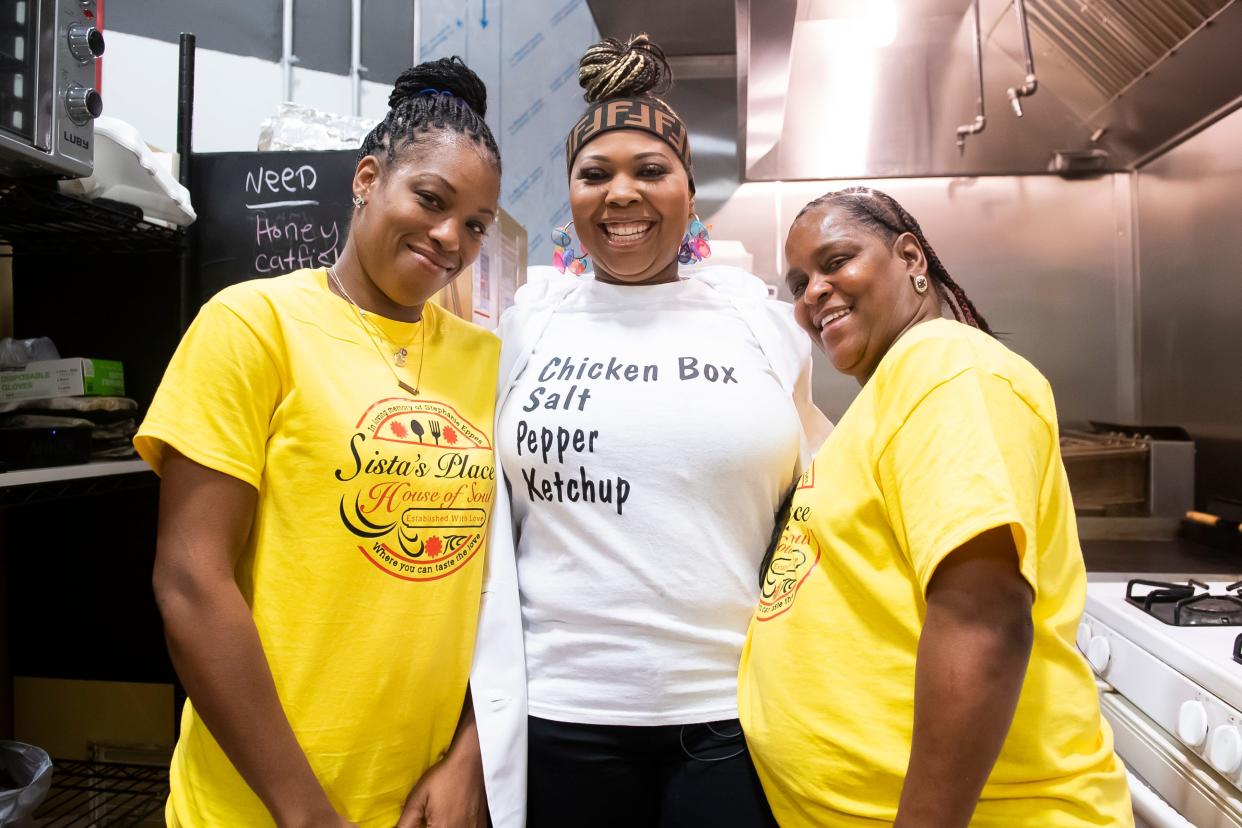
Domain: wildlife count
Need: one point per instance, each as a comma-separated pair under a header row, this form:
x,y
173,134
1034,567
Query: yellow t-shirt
x,y
952,436
364,566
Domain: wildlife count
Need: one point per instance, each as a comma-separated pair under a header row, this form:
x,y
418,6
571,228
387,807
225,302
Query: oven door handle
x,y
1151,809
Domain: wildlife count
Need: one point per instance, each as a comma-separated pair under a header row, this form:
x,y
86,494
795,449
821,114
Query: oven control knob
x,y
1192,723
1084,637
85,42
83,104
1225,750
1098,653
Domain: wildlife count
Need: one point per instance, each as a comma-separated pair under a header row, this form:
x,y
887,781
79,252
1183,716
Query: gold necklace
x,y
400,356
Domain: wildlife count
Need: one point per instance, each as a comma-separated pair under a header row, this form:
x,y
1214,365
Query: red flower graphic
x,y
399,429
434,546
450,435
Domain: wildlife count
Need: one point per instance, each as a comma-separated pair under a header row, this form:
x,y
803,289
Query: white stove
x,y
1173,694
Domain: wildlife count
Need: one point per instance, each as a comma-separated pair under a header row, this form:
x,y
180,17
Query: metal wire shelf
x,y
129,476
37,217
102,794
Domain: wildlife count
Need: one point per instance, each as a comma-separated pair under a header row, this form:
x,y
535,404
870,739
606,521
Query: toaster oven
x,y
48,99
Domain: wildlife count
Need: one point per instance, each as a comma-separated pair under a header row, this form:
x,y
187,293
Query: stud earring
x,y
564,257
359,201
920,282
695,245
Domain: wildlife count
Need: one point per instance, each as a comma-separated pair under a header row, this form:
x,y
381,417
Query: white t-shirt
x,y
647,445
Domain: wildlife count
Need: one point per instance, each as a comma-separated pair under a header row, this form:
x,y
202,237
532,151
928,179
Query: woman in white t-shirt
x,y
649,424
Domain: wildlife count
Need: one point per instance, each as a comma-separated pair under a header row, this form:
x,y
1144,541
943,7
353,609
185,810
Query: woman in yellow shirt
x,y
912,659
324,443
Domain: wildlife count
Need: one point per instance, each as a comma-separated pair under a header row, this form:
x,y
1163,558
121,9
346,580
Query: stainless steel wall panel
x,y
1125,312
709,107
752,215
1190,298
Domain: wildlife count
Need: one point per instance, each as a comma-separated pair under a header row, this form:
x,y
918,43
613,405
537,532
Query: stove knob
x,y
1192,723
83,104
1084,637
1098,653
1225,750
85,42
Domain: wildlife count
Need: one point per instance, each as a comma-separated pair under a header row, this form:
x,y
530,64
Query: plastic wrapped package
x,y
16,353
29,776
297,127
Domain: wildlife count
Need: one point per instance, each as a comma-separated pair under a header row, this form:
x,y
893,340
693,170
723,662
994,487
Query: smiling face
x,y
424,219
631,202
852,289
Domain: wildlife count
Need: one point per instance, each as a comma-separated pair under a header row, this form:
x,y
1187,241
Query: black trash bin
x,y
25,776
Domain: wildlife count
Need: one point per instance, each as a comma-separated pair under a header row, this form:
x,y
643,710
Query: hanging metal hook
x,y
1031,82
981,119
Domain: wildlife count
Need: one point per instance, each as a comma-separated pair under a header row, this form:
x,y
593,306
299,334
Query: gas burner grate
x,y
1237,649
102,794
1191,604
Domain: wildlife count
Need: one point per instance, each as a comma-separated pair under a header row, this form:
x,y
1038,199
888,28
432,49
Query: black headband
x,y
650,115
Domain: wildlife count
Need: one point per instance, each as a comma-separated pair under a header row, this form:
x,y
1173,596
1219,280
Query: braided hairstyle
x,y
881,213
613,69
436,95
778,528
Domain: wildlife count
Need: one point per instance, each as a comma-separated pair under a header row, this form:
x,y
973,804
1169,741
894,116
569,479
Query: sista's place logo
x,y
419,484
796,556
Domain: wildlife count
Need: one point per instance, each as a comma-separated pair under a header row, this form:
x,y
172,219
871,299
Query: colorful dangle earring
x,y
695,245
564,257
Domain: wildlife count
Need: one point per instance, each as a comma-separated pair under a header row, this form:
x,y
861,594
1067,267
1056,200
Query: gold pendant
x,y
399,358
413,392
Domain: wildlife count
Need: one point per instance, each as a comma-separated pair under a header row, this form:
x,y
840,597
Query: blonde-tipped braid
x,y
602,79
616,76
611,68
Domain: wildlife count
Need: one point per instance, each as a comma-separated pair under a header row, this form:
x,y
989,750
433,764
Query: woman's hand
x,y
451,792
450,795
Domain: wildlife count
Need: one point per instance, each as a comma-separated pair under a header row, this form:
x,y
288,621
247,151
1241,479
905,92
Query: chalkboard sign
x,y
267,213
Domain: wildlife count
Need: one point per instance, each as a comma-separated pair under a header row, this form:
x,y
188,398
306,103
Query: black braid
x,y
882,213
439,94
778,529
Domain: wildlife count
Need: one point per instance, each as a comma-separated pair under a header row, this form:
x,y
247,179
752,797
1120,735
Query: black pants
x,y
671,776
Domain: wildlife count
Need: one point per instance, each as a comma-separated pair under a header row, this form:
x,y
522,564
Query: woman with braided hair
x,y
649,420
317,568
912,658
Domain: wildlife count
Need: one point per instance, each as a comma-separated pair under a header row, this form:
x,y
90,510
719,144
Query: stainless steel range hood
x,y
828,91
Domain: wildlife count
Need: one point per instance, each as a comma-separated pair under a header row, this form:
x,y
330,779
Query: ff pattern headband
x,y
648,114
